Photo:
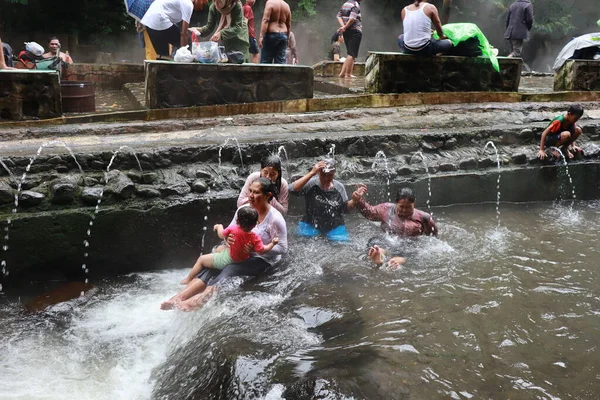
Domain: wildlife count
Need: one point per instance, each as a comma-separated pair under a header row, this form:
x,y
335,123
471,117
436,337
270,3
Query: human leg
x,y
307,230
353,46
254,53
571,142
516,47
440,47
205,260
161,40
196,286
281,41
339,234
198,300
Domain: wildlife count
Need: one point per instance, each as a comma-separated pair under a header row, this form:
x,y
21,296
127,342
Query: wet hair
x,y
405,194
335,37
576,109
266,187
247,217
275,162
53,38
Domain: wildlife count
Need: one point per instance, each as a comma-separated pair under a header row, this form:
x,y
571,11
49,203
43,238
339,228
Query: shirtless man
x,y
54,45
274,32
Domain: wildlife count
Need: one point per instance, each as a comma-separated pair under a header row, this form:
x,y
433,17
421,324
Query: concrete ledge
x,y
401,73
312,105
578,75
105,76
29,95
175,85
333,68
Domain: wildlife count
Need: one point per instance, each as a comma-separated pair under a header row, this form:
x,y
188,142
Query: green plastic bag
x,y
462,31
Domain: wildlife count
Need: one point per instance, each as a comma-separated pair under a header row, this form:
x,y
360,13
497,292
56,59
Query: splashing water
x,y
86,241
378,160
492,145
331,152
238,146
5,247
424,161
281,149
573,196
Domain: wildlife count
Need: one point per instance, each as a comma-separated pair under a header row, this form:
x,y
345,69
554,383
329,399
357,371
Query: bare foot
x,y
577,149
376,254
185,281
167,305
350,76
396,262
569,154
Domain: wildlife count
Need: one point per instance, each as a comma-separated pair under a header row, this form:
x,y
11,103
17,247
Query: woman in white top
x,y
417,39
160,20
270,168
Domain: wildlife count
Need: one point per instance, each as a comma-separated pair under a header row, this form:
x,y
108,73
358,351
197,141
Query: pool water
x,y
480,312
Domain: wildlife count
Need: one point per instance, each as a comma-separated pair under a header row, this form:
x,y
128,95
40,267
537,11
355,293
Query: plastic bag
x,y
183,54
34,48
206,52
460,32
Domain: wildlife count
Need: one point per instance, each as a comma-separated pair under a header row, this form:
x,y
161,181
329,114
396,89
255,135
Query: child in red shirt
x,y
247,218
562,132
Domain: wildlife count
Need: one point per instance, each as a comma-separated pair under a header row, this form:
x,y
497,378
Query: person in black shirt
x,y
326,202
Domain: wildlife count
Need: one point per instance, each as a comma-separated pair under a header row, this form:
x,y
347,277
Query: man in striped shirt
x,y
351,27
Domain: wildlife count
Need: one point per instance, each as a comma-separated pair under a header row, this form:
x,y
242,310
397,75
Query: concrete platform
x,y
29,94
328,68
174,85
578,75
388,72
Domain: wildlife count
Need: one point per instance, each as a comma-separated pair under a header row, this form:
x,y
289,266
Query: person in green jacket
x,y
226,19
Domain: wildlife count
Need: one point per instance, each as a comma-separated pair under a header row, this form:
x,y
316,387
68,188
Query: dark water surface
x,y
482,312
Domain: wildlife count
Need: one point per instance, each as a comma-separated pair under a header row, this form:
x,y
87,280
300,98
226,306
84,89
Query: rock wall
x,y
401,73
170,84
106,76
29,95
578,75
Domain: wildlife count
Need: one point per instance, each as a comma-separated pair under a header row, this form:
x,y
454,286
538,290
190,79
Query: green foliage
x,y
305,9
24,2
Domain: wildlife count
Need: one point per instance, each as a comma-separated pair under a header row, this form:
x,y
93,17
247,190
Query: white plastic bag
x,y
183,54
206,52
34,48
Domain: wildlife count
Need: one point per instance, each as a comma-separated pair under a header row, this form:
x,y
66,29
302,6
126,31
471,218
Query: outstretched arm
x,y
300,183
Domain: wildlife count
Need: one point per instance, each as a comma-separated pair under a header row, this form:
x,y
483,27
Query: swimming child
x,y
247,218
562,132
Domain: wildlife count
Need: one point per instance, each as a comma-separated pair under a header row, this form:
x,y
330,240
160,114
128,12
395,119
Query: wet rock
x,y
201,173
135,176
174,184
90,195
7,194
433,145
96,164
447,167
163,162
486,163
120,184
89,181
520,158
29,198
450,143
149,177
469,163
527,134
62,168
31,181
146,191
404,171
199,186
62,192
55,160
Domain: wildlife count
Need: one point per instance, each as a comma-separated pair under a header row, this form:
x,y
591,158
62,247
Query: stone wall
x,y
29,95
401,73
105,76
333,68
170,84
578,75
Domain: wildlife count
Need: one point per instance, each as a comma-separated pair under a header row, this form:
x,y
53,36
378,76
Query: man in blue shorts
x,y
326,202
249,15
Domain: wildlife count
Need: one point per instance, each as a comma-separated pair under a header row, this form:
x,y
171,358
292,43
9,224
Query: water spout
x,y
573,196
424,161
492,145
378,157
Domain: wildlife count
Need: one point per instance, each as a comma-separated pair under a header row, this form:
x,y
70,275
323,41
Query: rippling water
x,y
480,312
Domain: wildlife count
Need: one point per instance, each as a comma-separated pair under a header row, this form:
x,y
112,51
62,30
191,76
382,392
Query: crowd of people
x,y
257,237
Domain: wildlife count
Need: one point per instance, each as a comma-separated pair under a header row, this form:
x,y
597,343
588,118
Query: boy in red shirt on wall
x,y
562,132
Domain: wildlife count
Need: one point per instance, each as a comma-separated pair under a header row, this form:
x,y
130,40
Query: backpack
x,y
31,61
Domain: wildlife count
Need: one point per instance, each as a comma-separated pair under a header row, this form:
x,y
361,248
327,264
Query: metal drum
x,y
78,96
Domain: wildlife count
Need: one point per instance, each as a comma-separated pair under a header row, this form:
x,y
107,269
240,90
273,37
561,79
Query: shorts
x,y
222,259
552,139
339,234
253,46
352,38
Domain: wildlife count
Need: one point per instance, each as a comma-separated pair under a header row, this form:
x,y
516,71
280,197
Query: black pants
x,y
254,266
162,39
